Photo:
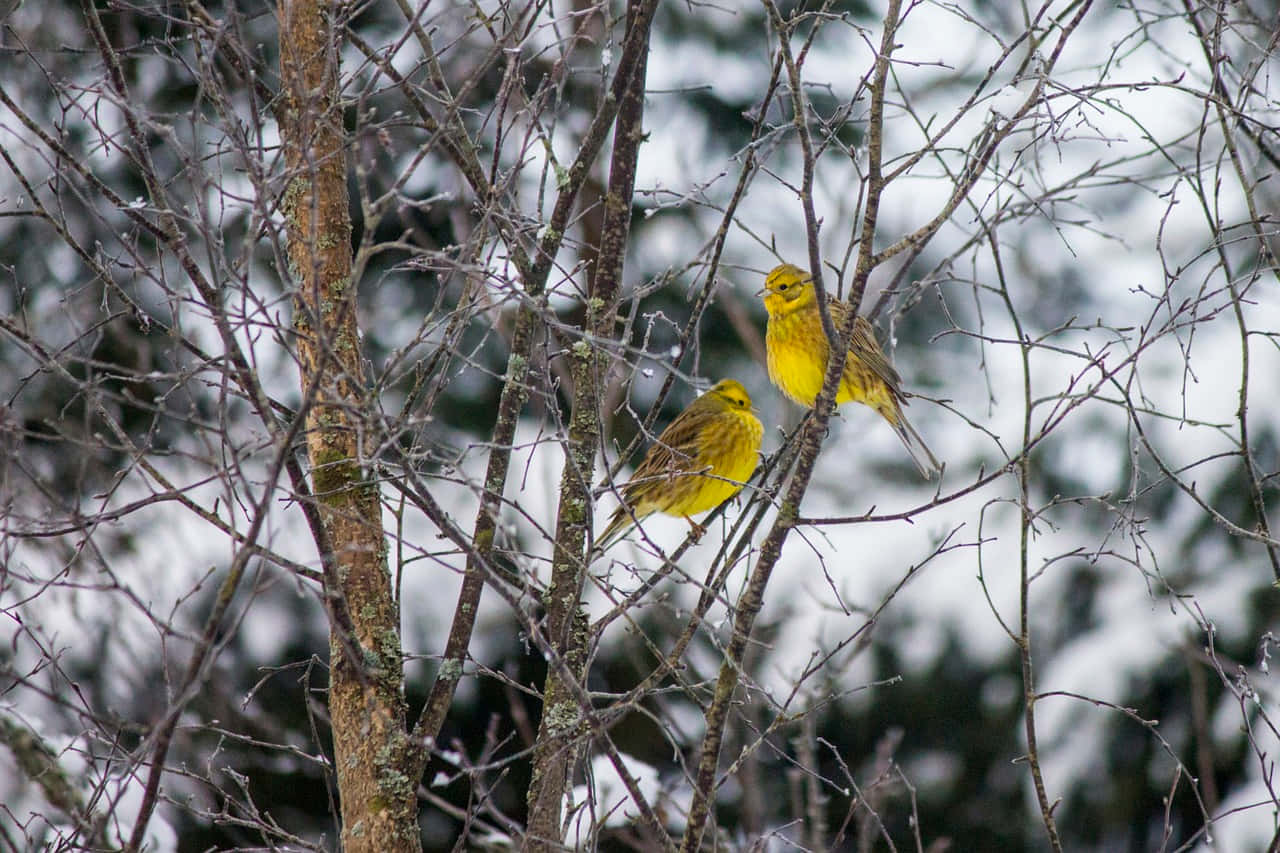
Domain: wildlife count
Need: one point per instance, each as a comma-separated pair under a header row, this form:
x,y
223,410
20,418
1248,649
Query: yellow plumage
x,y
698,462
797,354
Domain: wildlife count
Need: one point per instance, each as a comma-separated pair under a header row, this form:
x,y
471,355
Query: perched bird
x,y
698,462
797,353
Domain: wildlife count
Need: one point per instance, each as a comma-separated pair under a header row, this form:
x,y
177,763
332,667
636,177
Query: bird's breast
x,y
797,354
734,453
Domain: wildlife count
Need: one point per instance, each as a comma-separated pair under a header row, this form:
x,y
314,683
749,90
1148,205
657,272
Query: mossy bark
x,y
567,626
366,702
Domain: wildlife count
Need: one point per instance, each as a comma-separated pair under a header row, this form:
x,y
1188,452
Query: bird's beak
x,y
762,291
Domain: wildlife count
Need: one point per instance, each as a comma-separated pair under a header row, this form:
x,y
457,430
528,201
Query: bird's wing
x,y
675,450
864,345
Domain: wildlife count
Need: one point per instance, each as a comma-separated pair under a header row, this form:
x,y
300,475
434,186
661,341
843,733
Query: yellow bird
x,y
698,462
797,353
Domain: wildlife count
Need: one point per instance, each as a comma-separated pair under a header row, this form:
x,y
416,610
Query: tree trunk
x,y
559,734
366,702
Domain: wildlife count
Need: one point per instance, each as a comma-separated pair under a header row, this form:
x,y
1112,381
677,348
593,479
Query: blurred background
x,y
1104,301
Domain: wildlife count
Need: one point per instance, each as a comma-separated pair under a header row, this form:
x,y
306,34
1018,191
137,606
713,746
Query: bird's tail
x,y
926,463
620,524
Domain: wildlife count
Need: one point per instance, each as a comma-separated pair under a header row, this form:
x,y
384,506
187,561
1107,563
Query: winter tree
x,y
331,332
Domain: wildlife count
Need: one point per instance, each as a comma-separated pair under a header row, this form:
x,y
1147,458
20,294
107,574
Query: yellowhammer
x,y
698,462
798,348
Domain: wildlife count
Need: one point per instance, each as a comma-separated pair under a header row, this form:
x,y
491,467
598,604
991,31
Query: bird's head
x,y
730,393
786,289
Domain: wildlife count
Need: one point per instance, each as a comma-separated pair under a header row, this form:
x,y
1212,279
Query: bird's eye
x,y
783,287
